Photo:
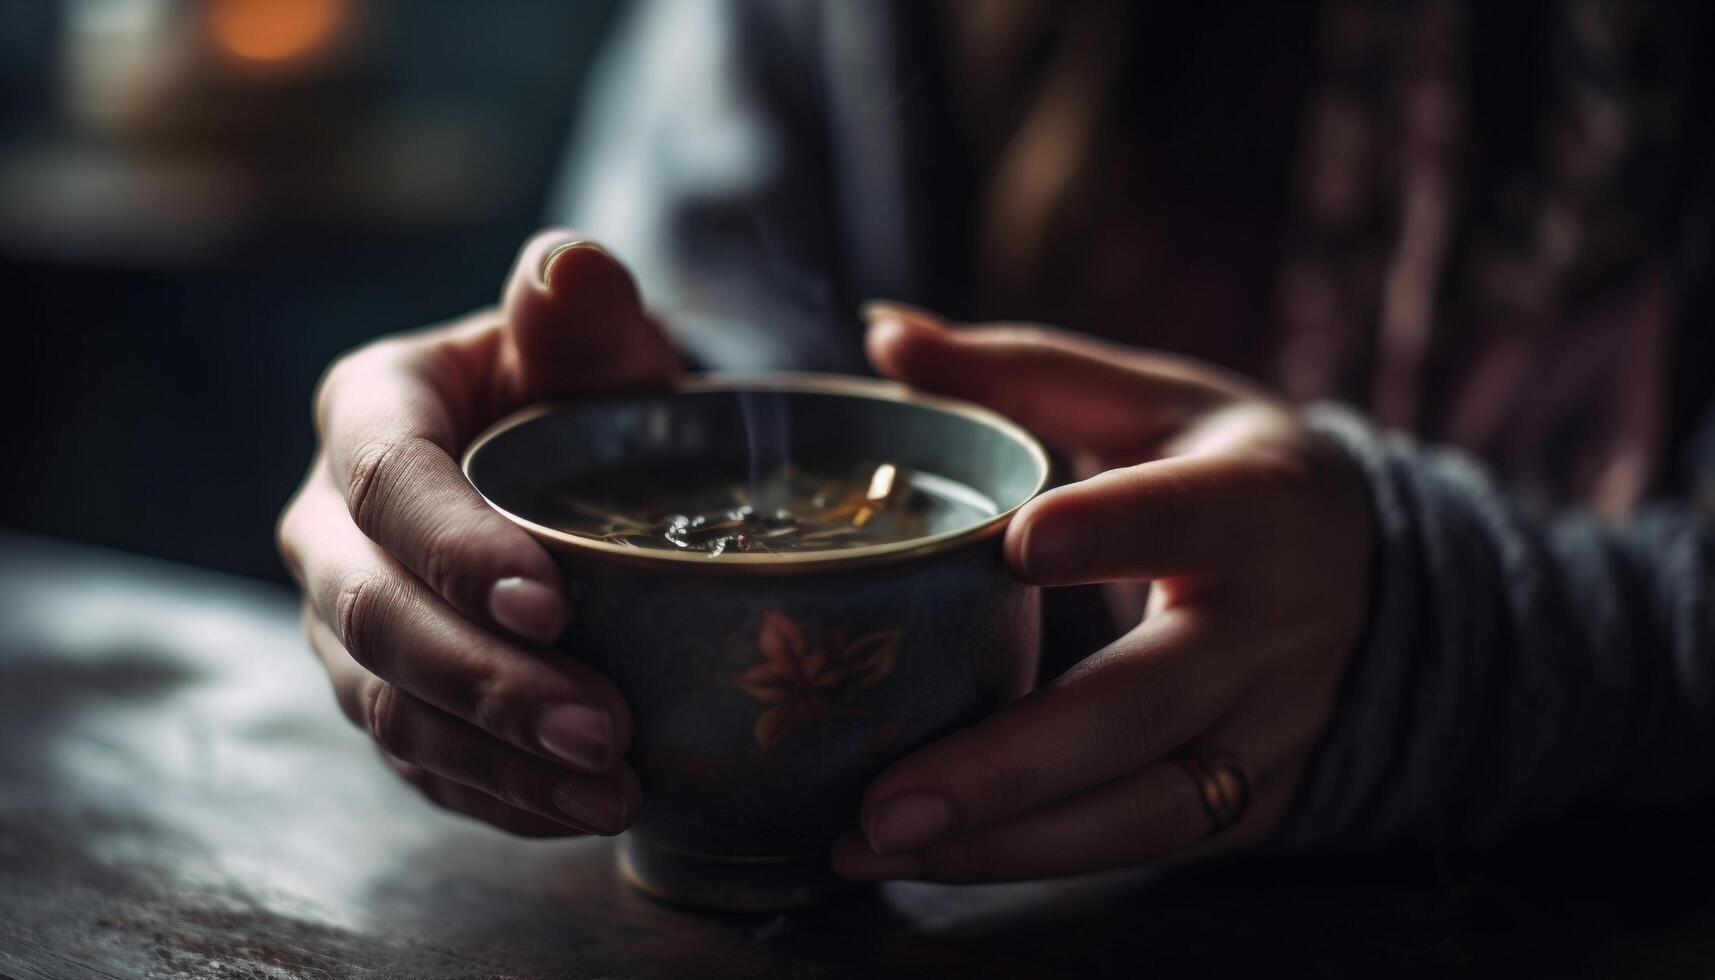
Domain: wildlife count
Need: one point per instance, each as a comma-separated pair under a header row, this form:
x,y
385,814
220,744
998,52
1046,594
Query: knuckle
x,y
382,472
360,614
374,469
492,705
386,718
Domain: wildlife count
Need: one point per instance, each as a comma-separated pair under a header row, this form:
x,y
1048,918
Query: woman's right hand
x,y
433,615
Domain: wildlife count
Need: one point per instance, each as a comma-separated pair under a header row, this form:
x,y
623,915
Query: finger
x,y
1154,520
1151,813
478,805
1116,711
453,750
394,415
1132,819
1147,816
408,729
389,432
398,630
1076,393
575,320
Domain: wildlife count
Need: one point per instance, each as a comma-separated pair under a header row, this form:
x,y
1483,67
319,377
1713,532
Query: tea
x,y
722,508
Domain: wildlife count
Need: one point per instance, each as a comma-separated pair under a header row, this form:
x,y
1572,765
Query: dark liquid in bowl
x,y
716,508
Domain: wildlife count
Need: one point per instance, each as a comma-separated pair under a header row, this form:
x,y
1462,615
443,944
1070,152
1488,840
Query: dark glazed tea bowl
x,y
767,690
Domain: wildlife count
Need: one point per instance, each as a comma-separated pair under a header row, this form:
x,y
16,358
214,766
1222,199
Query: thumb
x,y
574,319
1160,519
1076,393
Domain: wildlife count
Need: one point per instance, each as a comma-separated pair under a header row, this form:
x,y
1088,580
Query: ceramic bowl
x,y
767,690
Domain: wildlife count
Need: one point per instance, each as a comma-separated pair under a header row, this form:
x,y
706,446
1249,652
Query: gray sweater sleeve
x,y
1510,669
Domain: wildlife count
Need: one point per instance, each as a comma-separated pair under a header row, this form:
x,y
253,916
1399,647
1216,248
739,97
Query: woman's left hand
x,y
1231,535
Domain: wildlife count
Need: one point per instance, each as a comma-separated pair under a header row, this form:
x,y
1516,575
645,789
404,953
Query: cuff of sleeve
x,y
1348,793
1509,669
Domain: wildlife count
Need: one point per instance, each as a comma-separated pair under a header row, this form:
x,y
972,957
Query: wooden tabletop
x,y
180,798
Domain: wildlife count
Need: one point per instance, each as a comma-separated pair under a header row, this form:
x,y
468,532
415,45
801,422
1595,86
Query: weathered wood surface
x,y
178,797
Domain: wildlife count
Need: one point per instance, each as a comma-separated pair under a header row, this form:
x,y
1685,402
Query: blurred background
x,y
202,202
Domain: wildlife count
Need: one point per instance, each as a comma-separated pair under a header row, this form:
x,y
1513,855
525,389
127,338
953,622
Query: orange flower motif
x,y
804,686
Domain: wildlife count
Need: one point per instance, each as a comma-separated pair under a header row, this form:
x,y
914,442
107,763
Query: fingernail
x,y
561,251
881,309
580,735
853,859
1058,546
530,609
908,821
876,309
593,804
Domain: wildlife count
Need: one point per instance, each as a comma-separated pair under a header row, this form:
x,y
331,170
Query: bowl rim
x,y
787,382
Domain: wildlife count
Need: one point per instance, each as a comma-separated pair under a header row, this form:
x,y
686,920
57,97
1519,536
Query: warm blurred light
x,y
273,30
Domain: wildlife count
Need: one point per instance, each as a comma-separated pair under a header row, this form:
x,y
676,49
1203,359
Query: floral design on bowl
x,y
805,685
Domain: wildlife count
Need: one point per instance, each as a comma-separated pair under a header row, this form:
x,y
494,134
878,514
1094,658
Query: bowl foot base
x,y
728,884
